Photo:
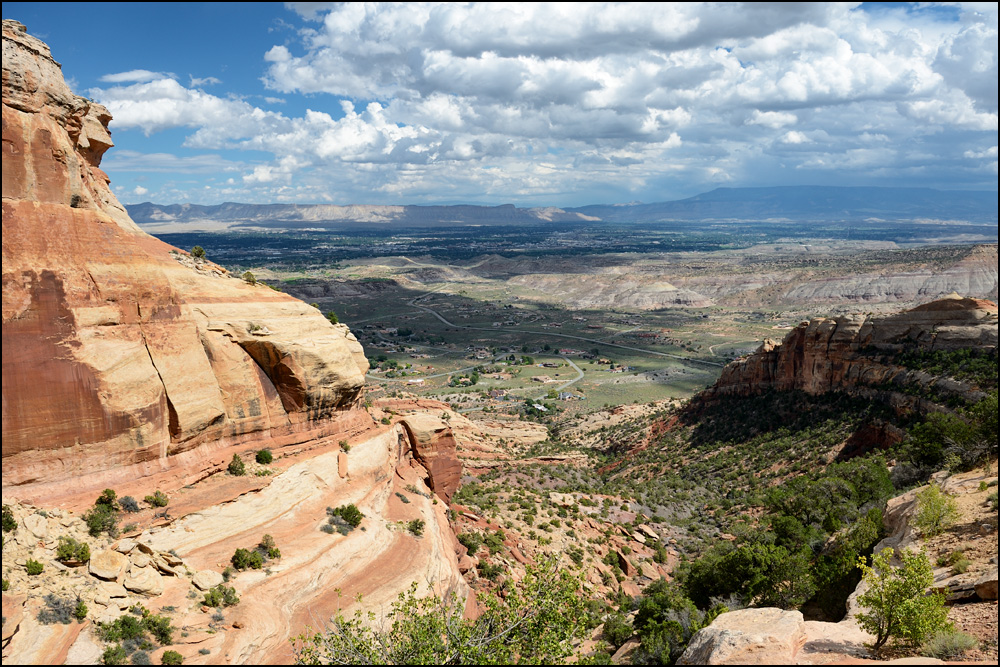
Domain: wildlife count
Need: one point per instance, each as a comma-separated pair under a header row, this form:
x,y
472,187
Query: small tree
x,y
264,456
33,567
936,510
198,252
332,316
158,499
236,467
896,603
249,278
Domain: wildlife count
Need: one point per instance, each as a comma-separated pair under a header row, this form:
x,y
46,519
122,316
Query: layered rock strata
x,y
843,353
120,352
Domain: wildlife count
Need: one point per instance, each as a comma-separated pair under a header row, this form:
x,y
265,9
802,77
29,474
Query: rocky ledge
x,y
124,357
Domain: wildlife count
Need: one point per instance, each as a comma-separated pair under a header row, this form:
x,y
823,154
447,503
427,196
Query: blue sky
x,y
531,104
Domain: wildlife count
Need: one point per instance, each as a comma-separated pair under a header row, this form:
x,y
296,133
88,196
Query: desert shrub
x,y
249,278
992,500
158,499
171,658
9,522
69,550
416,527
108,497
198,252
159,626
936,510
349,513
328,529
6,585
204,651
471,542
236,467
141,658
402,498
948,644
101,518
489,570
494,541
56,610
80,610
114,655
332,316
245,559
267,547
33,567
221,596
617,630
264,456
129,504
896,606
665,622
771,575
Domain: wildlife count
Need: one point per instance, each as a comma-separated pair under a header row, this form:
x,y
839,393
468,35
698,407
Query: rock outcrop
x,y
765,636
848,352
121,354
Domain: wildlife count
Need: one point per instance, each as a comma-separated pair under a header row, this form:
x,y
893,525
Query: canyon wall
x,y
827,354
121,352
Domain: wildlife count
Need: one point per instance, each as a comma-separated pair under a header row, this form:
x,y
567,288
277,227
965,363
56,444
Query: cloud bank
x,y
575,103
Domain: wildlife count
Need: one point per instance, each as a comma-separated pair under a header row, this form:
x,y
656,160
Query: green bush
x,y
171,658
80,611
249,278
896,606
198,252
936,510
332,316
264,456
221,596
349,513
6,585
948,645
101,518
108,497
416,526
114,655
158,499
236,467
471,542
617,630
33,567
69,550
9,522
245,559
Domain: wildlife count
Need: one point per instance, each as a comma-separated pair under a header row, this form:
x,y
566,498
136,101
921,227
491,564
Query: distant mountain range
x,y
795,203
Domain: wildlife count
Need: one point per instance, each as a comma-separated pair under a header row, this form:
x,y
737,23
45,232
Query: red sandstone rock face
x,y
434,446
825,354
119,351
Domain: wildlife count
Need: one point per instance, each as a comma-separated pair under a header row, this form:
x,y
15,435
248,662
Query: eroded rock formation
x,y
842,353
120,352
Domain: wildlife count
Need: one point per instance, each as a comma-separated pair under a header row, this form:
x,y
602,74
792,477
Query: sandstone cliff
x,y
121,353
851,352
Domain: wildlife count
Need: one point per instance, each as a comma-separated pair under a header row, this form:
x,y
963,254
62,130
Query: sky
x,y
534,104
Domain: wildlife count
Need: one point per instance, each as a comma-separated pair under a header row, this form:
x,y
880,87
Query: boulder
x,y
37,525
109,565
986,585
626,565
342,464
206,579
141,560
767,636
126,545
144,580
624,653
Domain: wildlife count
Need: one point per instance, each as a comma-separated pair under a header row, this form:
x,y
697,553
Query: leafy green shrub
x,y
245,559
6,585
236,467
249,278
171,658
936,510
198,252
494,541
416,527
108,497
332,316
948,645
471,542
159,626
264,456
617,630
158,499
69,550
349,513
895,602
101,519
267,547
114,655
33,567
129,504
9,522
221,596
80,610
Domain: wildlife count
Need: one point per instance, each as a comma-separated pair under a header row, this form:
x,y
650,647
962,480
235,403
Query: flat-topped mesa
x,y
119,351
840,353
